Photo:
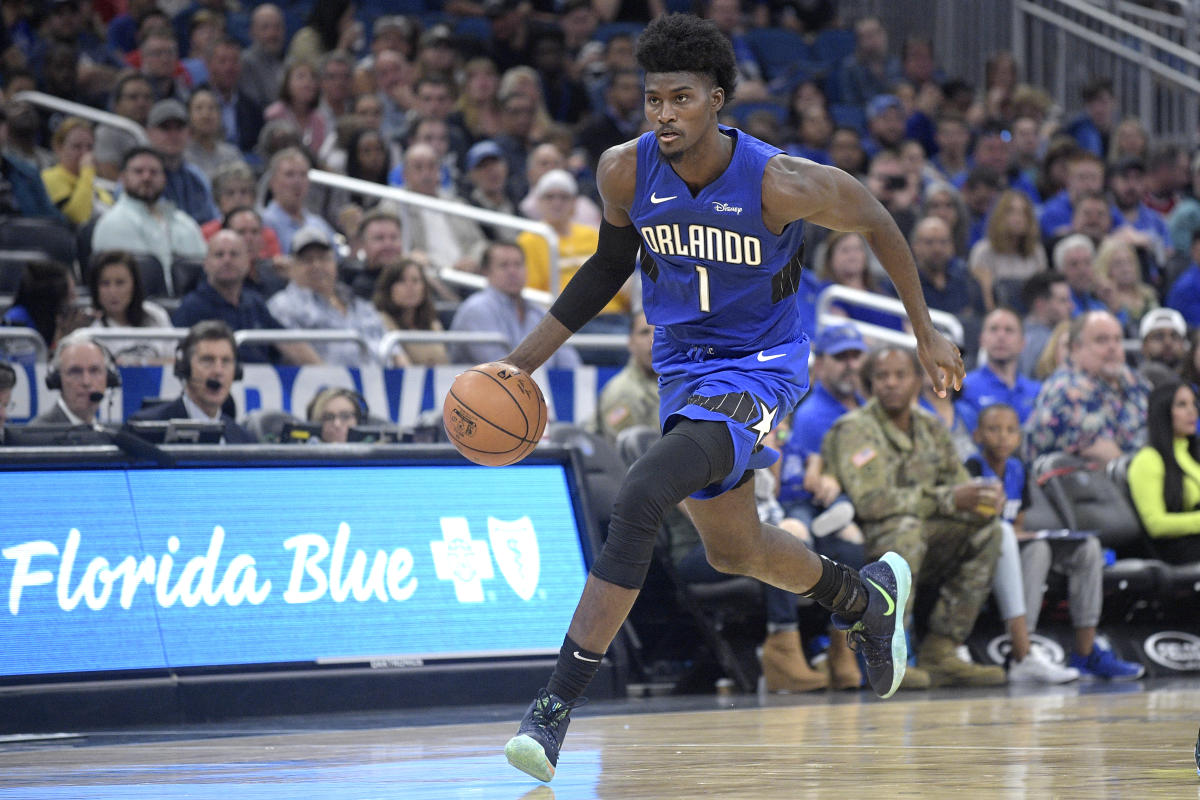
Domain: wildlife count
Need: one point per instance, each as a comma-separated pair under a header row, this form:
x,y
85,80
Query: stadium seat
x,y
83,245
777,50
849,115
723,611
610,29
603,469
1089,500
477,28
831,47
742,111
55,239
154,278
186,274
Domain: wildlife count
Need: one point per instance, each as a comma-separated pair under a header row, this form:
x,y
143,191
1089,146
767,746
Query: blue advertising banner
x,y
400,395
151,569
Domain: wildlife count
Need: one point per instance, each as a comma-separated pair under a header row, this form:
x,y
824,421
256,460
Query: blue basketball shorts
x,y
751,393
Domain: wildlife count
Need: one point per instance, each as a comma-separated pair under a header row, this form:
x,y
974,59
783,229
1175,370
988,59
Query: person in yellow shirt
x,y
71,183
1164,476
556,193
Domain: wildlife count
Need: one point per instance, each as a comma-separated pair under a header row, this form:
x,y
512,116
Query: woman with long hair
x,y
1130,139
1010,252
119,301
1054,355
71,183
299,96
478,108
45,302
367,159
404,300
845,260
1164,476
1121,286
942,200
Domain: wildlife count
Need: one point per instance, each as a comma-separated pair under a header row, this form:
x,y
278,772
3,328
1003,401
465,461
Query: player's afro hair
x,y
686,43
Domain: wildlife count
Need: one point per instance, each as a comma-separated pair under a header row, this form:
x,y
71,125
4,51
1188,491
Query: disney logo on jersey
x,y
726,208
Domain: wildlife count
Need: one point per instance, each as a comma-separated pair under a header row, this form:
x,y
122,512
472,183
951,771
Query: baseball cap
x,y
558,179
881,103
1162,318
839,339
482,151
166,111
309,236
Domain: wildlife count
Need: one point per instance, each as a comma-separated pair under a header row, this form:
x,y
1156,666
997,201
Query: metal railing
x,y
947,323
324,335
87,112
1149,55
583,341
26,335
456,208
103,335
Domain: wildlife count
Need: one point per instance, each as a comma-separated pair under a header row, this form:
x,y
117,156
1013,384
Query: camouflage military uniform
x,y
629,398
903,492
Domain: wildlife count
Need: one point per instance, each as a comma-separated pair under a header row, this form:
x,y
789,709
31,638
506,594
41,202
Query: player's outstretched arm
x,y
795,189
602,275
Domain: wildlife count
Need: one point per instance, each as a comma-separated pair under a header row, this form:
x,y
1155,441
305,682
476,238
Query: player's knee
x,y
729,558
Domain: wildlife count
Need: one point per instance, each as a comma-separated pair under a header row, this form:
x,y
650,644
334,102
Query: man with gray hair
x,y
82,374
1073,257
262,62
1095,407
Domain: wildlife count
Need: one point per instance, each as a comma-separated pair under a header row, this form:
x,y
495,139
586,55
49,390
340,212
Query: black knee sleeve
x,y
689,457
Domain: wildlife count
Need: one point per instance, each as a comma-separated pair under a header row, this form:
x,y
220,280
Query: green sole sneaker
x,y
528,756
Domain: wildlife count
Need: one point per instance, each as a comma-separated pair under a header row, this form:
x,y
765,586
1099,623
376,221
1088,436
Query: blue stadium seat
x,y
777,51
742,111
610,29
849,115
473,28
55,239
154,279
832,45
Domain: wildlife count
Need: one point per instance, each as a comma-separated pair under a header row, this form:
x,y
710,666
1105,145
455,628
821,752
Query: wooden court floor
x,y
1068,743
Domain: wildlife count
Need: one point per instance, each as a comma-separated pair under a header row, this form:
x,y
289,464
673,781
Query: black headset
x,y
208,329
112,378
330,392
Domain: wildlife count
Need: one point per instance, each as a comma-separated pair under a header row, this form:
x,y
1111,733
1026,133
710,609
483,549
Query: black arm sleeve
x,y
600,277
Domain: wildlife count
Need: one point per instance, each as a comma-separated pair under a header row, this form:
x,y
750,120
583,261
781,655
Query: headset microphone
x,y
96,397
212,384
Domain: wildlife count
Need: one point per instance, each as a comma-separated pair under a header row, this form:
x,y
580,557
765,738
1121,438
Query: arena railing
x,y
25,335
87,112
458,209
104,335
947,323
582,341
325,335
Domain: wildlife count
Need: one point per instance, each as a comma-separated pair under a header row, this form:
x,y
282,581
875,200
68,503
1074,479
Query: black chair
x,y
186,274
154,278
83,245
720,610
266,425
55,239
603,469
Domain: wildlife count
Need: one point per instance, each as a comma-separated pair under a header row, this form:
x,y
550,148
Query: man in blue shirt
x,y
1184,295
945,281
187,187
1085,175
993,150
998,380
804,487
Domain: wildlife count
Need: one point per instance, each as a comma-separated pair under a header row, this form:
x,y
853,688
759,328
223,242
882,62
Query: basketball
x,y
495,414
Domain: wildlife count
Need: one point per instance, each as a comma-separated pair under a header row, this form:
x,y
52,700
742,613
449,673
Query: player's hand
x,y
942,361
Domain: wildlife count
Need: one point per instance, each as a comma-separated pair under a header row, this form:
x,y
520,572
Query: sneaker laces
x,y
859,641
549,711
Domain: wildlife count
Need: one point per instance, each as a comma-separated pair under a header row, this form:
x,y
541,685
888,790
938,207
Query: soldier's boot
x,y
843,663
784,668
937,657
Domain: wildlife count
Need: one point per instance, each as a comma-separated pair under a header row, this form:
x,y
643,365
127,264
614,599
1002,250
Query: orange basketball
x,y
495,414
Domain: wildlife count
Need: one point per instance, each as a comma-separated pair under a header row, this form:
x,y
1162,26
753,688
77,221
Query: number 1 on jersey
x,y
703,272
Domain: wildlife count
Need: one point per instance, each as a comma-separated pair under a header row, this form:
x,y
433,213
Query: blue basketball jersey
x,y
713,275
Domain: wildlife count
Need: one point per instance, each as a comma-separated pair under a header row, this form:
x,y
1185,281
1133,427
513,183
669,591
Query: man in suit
x,y
82,373
207,364
240,115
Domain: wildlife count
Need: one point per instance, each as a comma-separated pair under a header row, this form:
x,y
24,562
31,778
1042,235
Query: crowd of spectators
x,y
1055,239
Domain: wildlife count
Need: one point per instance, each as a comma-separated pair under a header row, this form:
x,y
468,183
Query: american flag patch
x,y
862,456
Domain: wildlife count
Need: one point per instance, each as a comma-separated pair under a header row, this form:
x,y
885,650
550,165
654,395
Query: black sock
x,y
840,590
574,671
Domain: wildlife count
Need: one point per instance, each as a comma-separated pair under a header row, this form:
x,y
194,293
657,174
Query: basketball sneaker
x,y
534,750
879,634
1104,665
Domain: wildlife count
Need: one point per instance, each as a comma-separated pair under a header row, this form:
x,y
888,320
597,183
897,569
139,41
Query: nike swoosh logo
x,y
891,603
763,357
657,200
597,661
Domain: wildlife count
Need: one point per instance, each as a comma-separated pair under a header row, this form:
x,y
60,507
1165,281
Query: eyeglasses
x,y
345,417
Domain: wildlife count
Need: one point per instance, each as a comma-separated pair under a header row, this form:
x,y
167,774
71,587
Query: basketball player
x,y
717,216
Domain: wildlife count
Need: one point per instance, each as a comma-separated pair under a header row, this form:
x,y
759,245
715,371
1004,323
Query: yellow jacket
x,y
1146,475
573,249
75,195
